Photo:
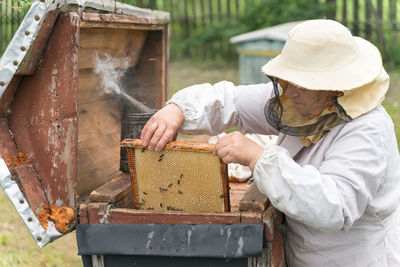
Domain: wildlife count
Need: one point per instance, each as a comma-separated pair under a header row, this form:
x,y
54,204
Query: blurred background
x,y
200,51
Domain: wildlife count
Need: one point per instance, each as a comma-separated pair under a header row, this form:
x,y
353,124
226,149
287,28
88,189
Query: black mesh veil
x,y
274,112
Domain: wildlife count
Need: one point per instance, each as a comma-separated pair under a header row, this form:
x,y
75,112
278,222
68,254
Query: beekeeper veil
x,y
323,55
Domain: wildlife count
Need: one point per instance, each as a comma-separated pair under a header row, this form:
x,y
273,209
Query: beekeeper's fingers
x,y
224,153
148,131
168,136
170,115
158,134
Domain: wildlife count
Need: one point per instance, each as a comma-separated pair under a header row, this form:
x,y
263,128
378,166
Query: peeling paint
x,y
151,235
239,251
104,219
189,236
59,203
69,159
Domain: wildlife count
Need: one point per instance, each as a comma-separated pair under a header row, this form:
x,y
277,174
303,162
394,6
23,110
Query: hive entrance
x,y
182,177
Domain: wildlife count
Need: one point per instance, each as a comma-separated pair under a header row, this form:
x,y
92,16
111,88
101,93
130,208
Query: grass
x,y
17,247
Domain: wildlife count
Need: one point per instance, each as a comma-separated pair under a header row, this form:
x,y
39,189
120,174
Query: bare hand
x,y
237,148
162,127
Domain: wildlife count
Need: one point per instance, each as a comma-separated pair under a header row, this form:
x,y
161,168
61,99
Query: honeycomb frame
x,y
184,176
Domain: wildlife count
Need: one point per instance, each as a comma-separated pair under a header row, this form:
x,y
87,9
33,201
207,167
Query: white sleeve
x,y
207,109
211,109
334,196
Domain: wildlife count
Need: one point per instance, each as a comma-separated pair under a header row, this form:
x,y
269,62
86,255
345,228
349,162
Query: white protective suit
x,y
340,196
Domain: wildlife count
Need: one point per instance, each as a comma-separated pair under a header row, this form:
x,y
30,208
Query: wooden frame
x,y
130,144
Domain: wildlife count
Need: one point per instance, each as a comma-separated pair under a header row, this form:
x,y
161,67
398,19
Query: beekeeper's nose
x,y
292,91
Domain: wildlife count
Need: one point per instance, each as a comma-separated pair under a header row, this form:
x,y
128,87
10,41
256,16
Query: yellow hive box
x,y
183,176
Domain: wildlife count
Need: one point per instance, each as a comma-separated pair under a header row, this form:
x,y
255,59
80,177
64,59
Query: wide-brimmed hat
x,y
323,55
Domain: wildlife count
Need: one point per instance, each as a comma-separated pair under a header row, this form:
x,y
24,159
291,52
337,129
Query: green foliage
x,y
256,16
273,12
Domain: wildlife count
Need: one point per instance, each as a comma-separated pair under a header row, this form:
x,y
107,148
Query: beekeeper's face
x,y
309,103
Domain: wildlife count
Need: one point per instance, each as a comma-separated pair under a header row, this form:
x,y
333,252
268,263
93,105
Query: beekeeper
x,y
335,172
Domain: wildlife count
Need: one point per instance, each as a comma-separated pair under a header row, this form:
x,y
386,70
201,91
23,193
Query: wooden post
x,y
219,9
237,8
368,28
12,18
187,26
210,50
211,10
6,25
379,29
194,18
393,14
344,12
331,14
356,28
203,22
228,8
1,29
153,4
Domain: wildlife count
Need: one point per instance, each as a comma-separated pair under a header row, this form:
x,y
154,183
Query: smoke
x,y
110,71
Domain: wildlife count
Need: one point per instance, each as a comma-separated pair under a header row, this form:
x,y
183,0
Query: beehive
x,y
183,177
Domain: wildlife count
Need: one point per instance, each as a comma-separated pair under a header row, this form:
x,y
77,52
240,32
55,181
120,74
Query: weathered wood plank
x,y
32,187
127,216
272,219
7,145
250,217
236,192
83,214
254,200
124,45
8,95
44,117
113,191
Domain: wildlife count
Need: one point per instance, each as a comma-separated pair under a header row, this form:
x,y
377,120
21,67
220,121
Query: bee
x,y
160,205
169,185
180,192
143,149
161,157
144,193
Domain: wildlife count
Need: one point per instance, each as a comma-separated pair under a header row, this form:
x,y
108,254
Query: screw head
x,y
37,17
27,32
21,201
2,83
30,219
23,48
39,238
15,62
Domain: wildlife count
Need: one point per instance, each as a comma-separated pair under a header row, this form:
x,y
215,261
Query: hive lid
x,y
29,137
